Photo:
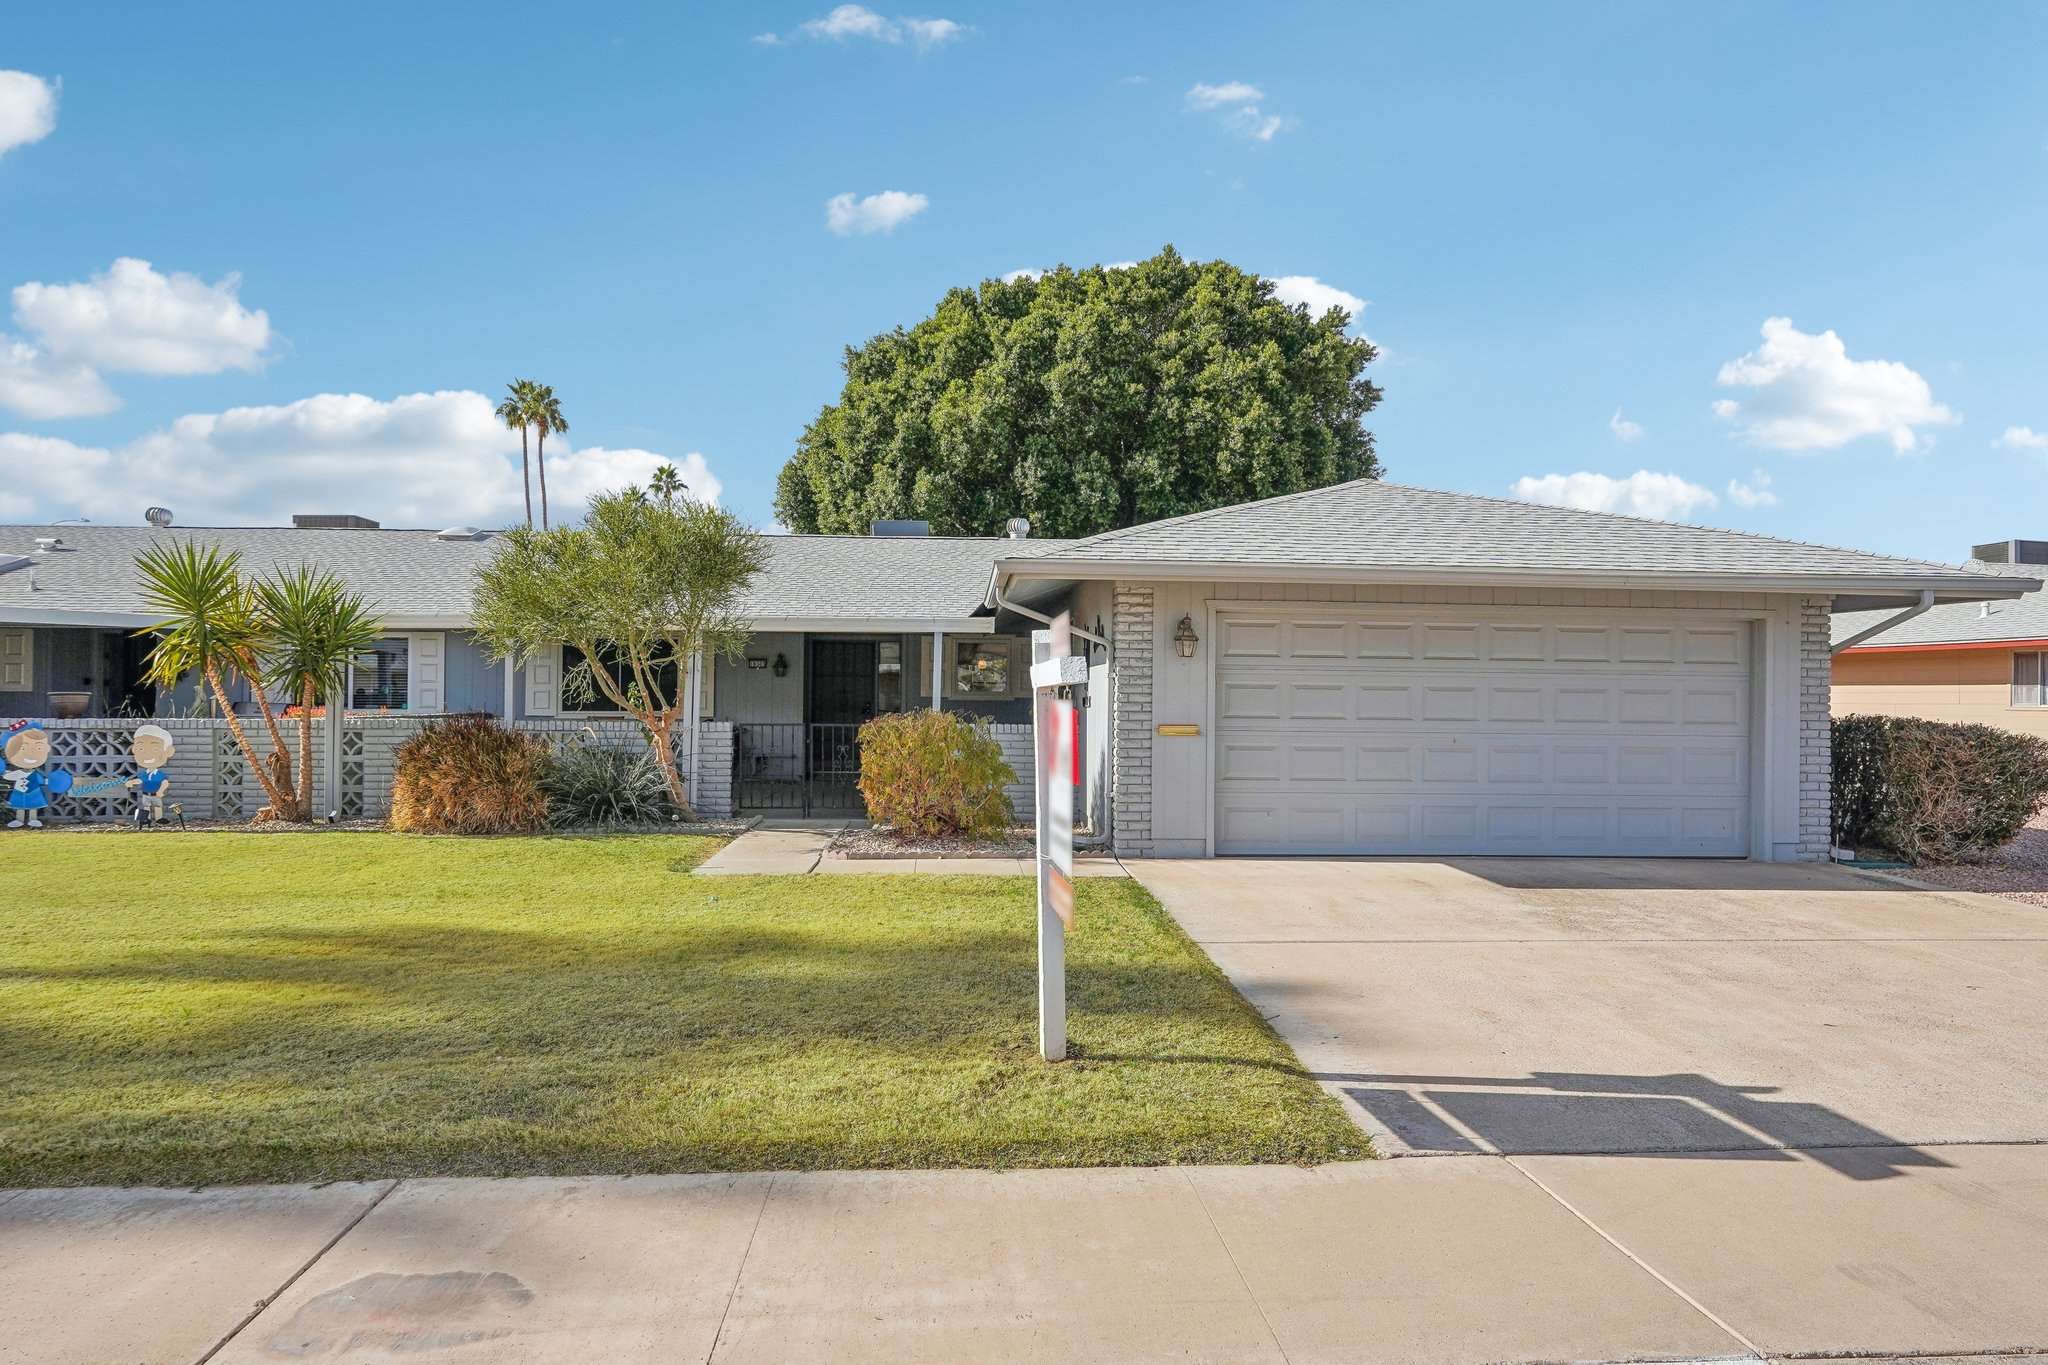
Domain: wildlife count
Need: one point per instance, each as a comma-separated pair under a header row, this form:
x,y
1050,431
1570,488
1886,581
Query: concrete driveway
x,y
1812,1102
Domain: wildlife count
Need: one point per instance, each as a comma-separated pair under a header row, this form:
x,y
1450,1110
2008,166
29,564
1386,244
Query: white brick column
x,y
1130,692
1816,743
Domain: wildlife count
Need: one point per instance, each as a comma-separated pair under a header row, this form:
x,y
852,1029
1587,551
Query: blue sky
x,y
1555,214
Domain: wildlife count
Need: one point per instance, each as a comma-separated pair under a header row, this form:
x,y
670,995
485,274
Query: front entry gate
x,y
807,769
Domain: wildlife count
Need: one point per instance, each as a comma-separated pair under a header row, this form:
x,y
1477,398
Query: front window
x,y
2026,678
981,668
889,676
378,680
583,693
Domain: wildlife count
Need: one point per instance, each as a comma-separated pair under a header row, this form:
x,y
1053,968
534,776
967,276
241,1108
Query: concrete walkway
x,y
795,848
1418,1259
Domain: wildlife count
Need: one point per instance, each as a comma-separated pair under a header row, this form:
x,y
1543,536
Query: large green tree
x,y
1087,400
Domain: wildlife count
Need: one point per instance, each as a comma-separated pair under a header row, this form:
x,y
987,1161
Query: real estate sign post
x,y
1053,671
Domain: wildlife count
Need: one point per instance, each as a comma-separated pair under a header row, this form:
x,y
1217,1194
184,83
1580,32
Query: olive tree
x,y
642,585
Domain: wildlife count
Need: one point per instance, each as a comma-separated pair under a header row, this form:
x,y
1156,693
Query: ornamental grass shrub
x,y
1931,791
590,784
930,773
469,775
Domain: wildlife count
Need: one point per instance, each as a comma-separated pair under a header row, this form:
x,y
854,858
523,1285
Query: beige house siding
x,y
1934,684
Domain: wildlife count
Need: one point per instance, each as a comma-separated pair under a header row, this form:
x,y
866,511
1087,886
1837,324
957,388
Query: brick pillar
x,y
1816,735
1130,692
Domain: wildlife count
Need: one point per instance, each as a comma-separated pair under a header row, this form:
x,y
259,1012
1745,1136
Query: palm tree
x,y
211,626
668,484
515,412
547,419
315,628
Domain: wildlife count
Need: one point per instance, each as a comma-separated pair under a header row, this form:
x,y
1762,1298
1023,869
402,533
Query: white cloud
x,y
133,318
1641,494
423,459
1623,429
1756,493
1806,394
1201,96
1240,103
28,109
44,389
1312,294
858,21
2023,438
768,39
884,212
1022,273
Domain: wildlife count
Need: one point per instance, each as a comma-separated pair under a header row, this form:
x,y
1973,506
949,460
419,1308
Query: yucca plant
x,y
314,627
211,627
589,784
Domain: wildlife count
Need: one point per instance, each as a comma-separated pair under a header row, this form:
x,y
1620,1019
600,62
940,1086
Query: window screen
x,y
2026,678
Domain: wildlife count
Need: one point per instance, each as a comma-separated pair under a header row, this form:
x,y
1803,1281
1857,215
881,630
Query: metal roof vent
x,y
45,544
1017,528
332,521
457,533
159,517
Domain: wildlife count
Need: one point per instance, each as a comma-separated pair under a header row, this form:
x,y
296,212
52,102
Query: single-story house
x,y
1960,661
1361,669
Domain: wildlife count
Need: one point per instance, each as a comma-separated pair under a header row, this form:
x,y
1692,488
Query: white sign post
x,y
1053,670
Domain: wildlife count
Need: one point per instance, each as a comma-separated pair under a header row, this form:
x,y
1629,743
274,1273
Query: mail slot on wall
x,y
1180,731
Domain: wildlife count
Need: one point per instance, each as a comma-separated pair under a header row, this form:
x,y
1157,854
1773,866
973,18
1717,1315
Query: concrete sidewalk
x,y
1417,1259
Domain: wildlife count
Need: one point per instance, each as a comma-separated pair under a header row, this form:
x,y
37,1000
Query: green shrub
x,y
469,775
590,784
926,772
1930,791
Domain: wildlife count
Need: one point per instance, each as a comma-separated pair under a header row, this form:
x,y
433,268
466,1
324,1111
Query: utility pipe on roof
x,y
1926,601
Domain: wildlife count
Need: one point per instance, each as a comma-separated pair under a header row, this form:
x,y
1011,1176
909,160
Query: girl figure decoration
x,y
29,788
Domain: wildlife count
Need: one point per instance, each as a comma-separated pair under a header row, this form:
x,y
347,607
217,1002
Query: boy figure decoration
x,y
152,748
29,788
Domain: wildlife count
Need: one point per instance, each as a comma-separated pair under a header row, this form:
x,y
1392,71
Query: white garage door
x,y
1481,731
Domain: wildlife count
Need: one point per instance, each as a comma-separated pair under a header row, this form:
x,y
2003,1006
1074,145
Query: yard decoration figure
x,y
152,748
29,788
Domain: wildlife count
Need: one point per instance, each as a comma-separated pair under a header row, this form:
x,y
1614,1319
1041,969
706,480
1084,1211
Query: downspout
x,y
1926,601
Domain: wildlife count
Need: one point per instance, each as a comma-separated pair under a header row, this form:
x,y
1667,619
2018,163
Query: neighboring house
x,y
1362,669
1966,661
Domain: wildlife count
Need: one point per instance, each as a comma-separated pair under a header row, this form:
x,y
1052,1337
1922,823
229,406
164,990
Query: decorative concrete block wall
x,y
1816,735
95,751
1130,702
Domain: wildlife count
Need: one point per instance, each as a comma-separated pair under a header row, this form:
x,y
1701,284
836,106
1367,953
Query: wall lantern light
x,y
1185,639
781,666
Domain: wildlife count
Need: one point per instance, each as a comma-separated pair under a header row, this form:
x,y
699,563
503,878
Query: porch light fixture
x,y
1185,639
781,667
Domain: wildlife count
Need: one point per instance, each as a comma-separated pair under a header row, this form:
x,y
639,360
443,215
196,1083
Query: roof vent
x,y
332,521
159,517
457,533
899,528
2012,552
45,544
1017,528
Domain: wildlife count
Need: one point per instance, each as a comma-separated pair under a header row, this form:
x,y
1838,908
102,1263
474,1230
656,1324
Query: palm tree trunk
x,y
540,462
289,809
525,477
306,699
227,711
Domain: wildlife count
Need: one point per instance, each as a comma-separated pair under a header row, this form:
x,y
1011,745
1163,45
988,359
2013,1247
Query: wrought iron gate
x,y
812,769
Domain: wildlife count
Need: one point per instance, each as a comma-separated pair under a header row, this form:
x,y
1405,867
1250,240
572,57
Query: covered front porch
x,y
77,671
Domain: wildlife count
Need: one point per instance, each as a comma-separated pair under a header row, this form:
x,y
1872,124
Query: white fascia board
x,y
876,625
1953,588
36,616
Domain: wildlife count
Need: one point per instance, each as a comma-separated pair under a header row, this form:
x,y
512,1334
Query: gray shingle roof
x,y
412,574
1370,525
2025,618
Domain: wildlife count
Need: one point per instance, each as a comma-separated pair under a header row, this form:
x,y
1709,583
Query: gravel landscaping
x,y
2019,871
868,841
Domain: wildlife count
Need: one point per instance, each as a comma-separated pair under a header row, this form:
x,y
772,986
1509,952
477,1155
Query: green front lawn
x,y
217,1008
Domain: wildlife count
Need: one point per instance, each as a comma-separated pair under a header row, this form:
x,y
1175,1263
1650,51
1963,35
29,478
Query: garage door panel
x,y
1376,734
